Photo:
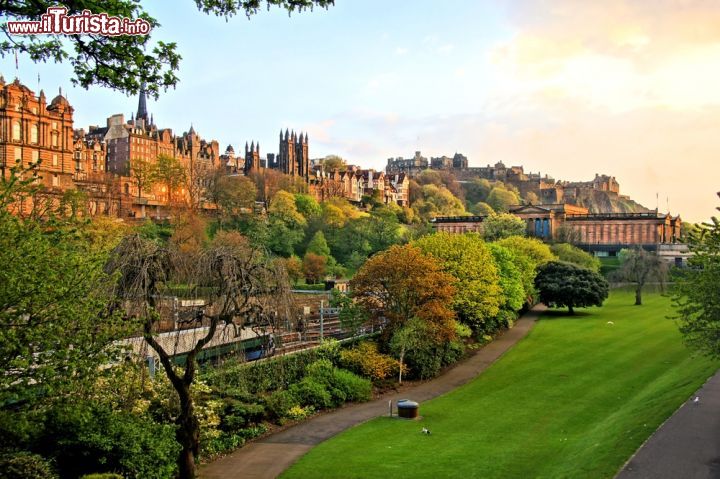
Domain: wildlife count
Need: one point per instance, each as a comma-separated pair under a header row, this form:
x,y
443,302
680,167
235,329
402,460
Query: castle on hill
x,y
600,195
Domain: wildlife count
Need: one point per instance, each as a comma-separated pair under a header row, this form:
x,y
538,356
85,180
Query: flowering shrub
x,y
366,360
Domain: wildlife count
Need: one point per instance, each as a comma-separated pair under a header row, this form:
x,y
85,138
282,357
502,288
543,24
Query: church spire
x,y
142,113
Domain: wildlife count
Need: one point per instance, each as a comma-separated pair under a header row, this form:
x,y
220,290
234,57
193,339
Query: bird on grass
x,y
425,431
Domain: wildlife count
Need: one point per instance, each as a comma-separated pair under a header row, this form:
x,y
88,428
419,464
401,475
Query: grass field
x,y
573,400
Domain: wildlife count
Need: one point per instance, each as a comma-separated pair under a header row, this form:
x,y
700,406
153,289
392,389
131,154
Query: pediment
x,y
529,209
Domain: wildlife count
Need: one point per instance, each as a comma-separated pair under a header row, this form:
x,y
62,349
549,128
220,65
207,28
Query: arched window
x,y
34,134
16,131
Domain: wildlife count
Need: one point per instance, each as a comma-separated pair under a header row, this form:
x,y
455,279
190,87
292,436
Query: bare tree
x,y
239,286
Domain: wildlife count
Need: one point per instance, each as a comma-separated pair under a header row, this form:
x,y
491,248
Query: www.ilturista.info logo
x,y
57,22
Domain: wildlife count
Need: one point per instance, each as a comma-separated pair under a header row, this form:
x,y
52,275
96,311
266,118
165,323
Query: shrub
x,y
25,465
367,361
506,318
354,387
312,393
425,363
279,403
87,438
104,475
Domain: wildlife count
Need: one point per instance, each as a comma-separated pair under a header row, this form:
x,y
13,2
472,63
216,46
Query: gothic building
x,y
293,158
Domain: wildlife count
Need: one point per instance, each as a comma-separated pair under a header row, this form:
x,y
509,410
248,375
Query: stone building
x,y
33,132
602,234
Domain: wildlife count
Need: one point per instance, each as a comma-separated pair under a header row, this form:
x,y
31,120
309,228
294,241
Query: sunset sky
x,y
568,88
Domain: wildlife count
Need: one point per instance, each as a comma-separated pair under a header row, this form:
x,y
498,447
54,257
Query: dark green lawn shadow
x,y
562,313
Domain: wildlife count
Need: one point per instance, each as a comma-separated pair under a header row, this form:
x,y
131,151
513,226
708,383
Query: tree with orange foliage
x,y
314,267
401,283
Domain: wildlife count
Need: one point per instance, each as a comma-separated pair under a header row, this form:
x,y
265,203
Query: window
x,y
16,131
55,159
55,180
35,156
18,155
54,138
34,134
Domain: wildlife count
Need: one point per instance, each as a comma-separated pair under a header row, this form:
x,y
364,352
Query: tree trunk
x,y
402,356
571,311
188,435
638,296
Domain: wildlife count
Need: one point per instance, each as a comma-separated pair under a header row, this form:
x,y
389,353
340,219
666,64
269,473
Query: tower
x,y
252,157
142,113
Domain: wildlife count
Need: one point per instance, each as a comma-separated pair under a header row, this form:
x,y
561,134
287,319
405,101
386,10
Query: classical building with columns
x,y
603,234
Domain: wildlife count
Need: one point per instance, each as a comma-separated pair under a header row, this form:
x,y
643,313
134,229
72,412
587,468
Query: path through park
x,y
270,456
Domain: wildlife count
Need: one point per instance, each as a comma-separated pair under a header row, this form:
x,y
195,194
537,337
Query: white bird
x,y
696,400
610,322
425,431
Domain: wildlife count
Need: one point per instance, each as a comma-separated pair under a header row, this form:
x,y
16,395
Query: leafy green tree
x,y
333,162
500,199
561,284
467,258
285,224
122,62
352,316
529,254
696,295
437,201
56,326
502,225
510,277
572,254
318,245
412,336
307,206
639,267
477,190
482,209
234,196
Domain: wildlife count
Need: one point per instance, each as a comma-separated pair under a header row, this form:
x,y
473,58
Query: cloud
x,y
401,51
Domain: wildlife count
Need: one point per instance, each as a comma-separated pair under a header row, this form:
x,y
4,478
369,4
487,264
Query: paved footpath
x,y
686,446
270,456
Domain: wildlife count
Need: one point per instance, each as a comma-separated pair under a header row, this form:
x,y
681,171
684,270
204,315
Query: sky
x,y
564,87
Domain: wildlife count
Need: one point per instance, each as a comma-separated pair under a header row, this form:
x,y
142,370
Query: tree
x,y
314,267
144,174
503,225
240,286
401,283
572,254
561,284
529,254
318,245
285,224
294,268
125,63
696,295
500,199
333,162
467,258
510,277
234,196
638,266
412,336
171,174
55,325
307,206
482,209
531,198
477,190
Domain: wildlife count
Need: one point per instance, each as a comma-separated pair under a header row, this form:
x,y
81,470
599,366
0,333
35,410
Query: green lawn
x,y
574,399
